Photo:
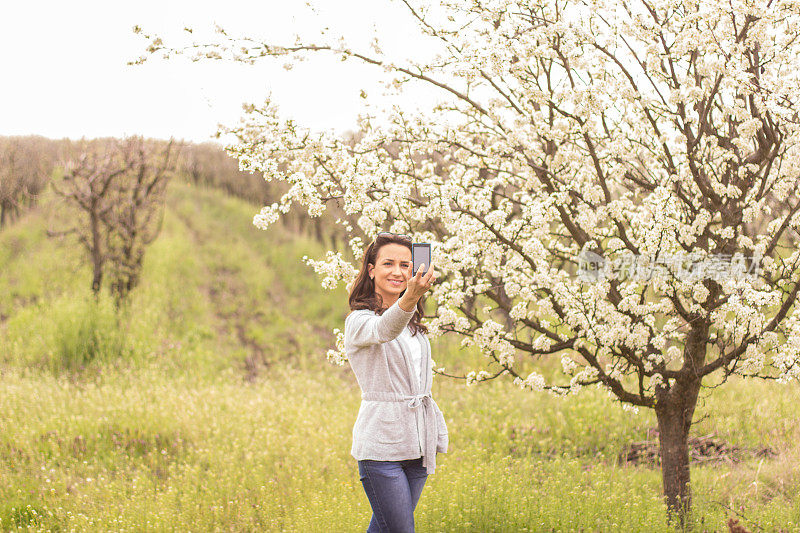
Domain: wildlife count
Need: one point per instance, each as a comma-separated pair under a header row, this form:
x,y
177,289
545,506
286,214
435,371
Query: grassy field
x,y
210,406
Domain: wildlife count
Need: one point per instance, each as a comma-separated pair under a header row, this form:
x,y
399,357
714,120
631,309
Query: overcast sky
x,y
64,67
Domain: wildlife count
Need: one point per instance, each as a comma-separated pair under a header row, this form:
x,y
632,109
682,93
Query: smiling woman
x,y
390,271
383,277
399,428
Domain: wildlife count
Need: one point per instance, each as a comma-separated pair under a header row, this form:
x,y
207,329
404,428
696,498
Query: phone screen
x,y
421,254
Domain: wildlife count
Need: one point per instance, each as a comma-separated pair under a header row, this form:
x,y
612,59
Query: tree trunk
x,y
97,254
674,412
318,230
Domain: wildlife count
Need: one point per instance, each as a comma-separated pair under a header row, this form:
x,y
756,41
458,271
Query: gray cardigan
x,y
398,419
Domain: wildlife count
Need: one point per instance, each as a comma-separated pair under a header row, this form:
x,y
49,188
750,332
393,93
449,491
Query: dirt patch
x,y
228,296
704,449
258,334
234,313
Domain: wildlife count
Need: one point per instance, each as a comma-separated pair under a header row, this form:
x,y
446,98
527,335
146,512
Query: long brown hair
x,y
363,295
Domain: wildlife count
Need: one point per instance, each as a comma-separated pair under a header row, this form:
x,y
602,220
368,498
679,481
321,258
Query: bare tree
x,y
119,186
24,169
137,212
85,184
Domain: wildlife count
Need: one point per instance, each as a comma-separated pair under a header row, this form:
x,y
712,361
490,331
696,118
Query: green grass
x,y
210,406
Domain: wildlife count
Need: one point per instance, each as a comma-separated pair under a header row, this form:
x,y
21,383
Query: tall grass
x,y
87,331
145,451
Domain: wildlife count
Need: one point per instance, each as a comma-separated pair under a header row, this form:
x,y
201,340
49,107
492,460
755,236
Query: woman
x,y
399,428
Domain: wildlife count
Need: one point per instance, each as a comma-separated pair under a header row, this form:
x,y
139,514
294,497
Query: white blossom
x,y
600,152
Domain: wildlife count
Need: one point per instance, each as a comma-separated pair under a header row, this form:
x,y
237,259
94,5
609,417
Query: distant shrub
x,y
26,164
86,331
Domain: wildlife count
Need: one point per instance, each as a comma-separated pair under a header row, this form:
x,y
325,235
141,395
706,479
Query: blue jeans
x,y
393,489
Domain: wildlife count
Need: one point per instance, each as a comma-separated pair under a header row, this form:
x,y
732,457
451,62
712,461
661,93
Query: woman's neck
x,y
388,300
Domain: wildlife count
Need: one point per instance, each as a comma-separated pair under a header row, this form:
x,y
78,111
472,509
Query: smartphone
x,y
420,254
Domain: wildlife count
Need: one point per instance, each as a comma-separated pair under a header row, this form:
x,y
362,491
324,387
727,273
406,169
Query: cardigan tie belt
x,y
429,415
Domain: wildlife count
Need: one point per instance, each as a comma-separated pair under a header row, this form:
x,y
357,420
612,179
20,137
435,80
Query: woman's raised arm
x,y
362,328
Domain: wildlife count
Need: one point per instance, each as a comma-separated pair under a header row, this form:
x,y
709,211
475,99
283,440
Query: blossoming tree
x,y
645,129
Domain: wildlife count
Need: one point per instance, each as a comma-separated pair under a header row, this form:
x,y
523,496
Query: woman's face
x,y
392,262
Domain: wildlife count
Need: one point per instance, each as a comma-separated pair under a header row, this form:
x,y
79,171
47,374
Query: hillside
x,y
213,285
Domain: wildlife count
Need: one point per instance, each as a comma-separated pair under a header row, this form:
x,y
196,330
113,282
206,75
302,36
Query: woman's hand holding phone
x,y
416,286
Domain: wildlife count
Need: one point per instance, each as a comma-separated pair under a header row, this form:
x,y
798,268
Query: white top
x,y
411,342
388,424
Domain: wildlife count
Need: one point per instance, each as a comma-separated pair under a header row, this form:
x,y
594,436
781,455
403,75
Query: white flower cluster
x,y
267,216
489,337
338,356
334,268
472,377
534,381
448,316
